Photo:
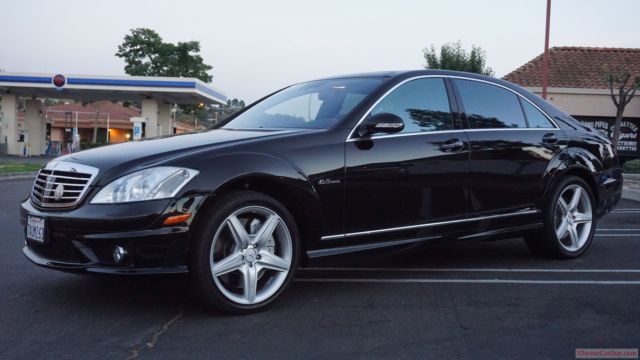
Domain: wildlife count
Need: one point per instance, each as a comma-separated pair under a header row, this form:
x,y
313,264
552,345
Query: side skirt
x,y
497,233
355,248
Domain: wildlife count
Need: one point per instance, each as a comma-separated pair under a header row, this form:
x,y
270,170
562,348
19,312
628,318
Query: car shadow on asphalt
x,y
133,293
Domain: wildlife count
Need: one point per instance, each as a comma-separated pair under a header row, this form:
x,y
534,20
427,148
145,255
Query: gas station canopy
x,y
94,88
155,94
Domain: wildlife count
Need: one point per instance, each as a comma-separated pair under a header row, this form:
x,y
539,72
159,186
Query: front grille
x,y
61,184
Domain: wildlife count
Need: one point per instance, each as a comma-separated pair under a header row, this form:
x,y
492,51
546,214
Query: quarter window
x,y
535,118
423,105
489,106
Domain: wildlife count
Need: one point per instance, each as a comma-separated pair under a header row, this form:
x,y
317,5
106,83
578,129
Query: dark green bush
x,y
631,167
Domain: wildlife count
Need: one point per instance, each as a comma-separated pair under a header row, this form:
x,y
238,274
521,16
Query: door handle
x,y
550,138
452,145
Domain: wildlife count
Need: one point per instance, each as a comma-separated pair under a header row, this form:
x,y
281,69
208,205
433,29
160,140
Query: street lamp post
x,y
545,57
108,128
172,119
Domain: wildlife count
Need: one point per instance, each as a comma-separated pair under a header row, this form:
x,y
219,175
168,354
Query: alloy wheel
x,y
573,218
251,255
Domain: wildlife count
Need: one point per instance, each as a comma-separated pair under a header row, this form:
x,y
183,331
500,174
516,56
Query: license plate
x,y
35,228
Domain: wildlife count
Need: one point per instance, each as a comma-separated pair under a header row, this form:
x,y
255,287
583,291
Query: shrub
x,y
631,167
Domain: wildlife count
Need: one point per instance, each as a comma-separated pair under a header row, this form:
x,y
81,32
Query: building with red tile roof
x,y
576,67
578,86
61,118
102,114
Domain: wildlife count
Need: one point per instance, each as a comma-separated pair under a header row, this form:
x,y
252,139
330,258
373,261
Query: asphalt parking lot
x,y
481,300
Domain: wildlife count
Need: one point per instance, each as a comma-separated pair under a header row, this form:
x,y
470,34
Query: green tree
x,y
146,54
621,82
221,112
453,57
233,105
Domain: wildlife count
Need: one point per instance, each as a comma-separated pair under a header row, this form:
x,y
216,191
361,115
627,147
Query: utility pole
x,y
108,118
545,57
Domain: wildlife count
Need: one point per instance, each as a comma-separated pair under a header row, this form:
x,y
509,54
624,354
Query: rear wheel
x,y
569,222
246,253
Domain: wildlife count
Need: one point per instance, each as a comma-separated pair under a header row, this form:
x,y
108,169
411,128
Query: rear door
x,y
395,184
511,143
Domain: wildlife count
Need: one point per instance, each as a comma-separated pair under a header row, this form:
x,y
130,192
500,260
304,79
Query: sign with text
x,y
629,135
137,126
137,130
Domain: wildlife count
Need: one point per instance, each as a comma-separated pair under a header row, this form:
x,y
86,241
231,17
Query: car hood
x,y
149,151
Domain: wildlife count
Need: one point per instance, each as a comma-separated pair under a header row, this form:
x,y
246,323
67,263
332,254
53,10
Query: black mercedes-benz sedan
x,y
327,167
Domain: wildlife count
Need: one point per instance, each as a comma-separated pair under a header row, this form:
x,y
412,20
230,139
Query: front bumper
x,y
83,239
97,269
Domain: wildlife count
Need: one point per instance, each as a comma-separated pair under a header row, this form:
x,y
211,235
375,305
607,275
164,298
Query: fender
x,y
275,176
571,160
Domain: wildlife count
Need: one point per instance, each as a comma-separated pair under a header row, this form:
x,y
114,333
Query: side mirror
x,y
385,123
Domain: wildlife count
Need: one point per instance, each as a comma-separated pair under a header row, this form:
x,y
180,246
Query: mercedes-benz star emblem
x,y
57,193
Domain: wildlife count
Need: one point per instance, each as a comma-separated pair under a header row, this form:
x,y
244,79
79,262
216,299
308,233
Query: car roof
x,y
411,73
395,76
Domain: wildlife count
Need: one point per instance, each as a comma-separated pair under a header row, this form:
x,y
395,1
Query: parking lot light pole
x,y
108,118
545,57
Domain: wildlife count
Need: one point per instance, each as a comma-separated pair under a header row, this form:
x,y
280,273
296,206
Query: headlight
x,y
150,184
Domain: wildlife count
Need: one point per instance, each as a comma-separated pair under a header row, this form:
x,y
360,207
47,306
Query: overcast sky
x,y
256,47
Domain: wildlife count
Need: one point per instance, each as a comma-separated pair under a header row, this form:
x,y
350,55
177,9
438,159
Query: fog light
x,y
118,254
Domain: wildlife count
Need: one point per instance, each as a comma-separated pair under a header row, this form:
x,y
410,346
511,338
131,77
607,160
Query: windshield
x,y
314,105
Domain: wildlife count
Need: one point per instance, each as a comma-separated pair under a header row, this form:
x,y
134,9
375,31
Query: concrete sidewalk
x,y
631,188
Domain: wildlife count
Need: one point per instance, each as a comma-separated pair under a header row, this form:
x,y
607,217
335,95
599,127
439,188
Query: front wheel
x,y
569,222
246,254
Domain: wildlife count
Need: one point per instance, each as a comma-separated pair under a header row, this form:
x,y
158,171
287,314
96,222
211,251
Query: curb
x,y
18,176
631,194
631,177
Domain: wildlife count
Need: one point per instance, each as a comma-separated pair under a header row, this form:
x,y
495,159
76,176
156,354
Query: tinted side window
x,y
489,106
423,105
535,118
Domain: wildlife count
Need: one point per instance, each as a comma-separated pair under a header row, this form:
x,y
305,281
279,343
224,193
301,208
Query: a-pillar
x,y
36,127
9,131
150,111
164,119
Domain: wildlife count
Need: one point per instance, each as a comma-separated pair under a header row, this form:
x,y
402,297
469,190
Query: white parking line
x,y
520,270
473,281
618,235
617,229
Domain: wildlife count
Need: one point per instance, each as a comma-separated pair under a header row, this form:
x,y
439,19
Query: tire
x,y
244,272
572,241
